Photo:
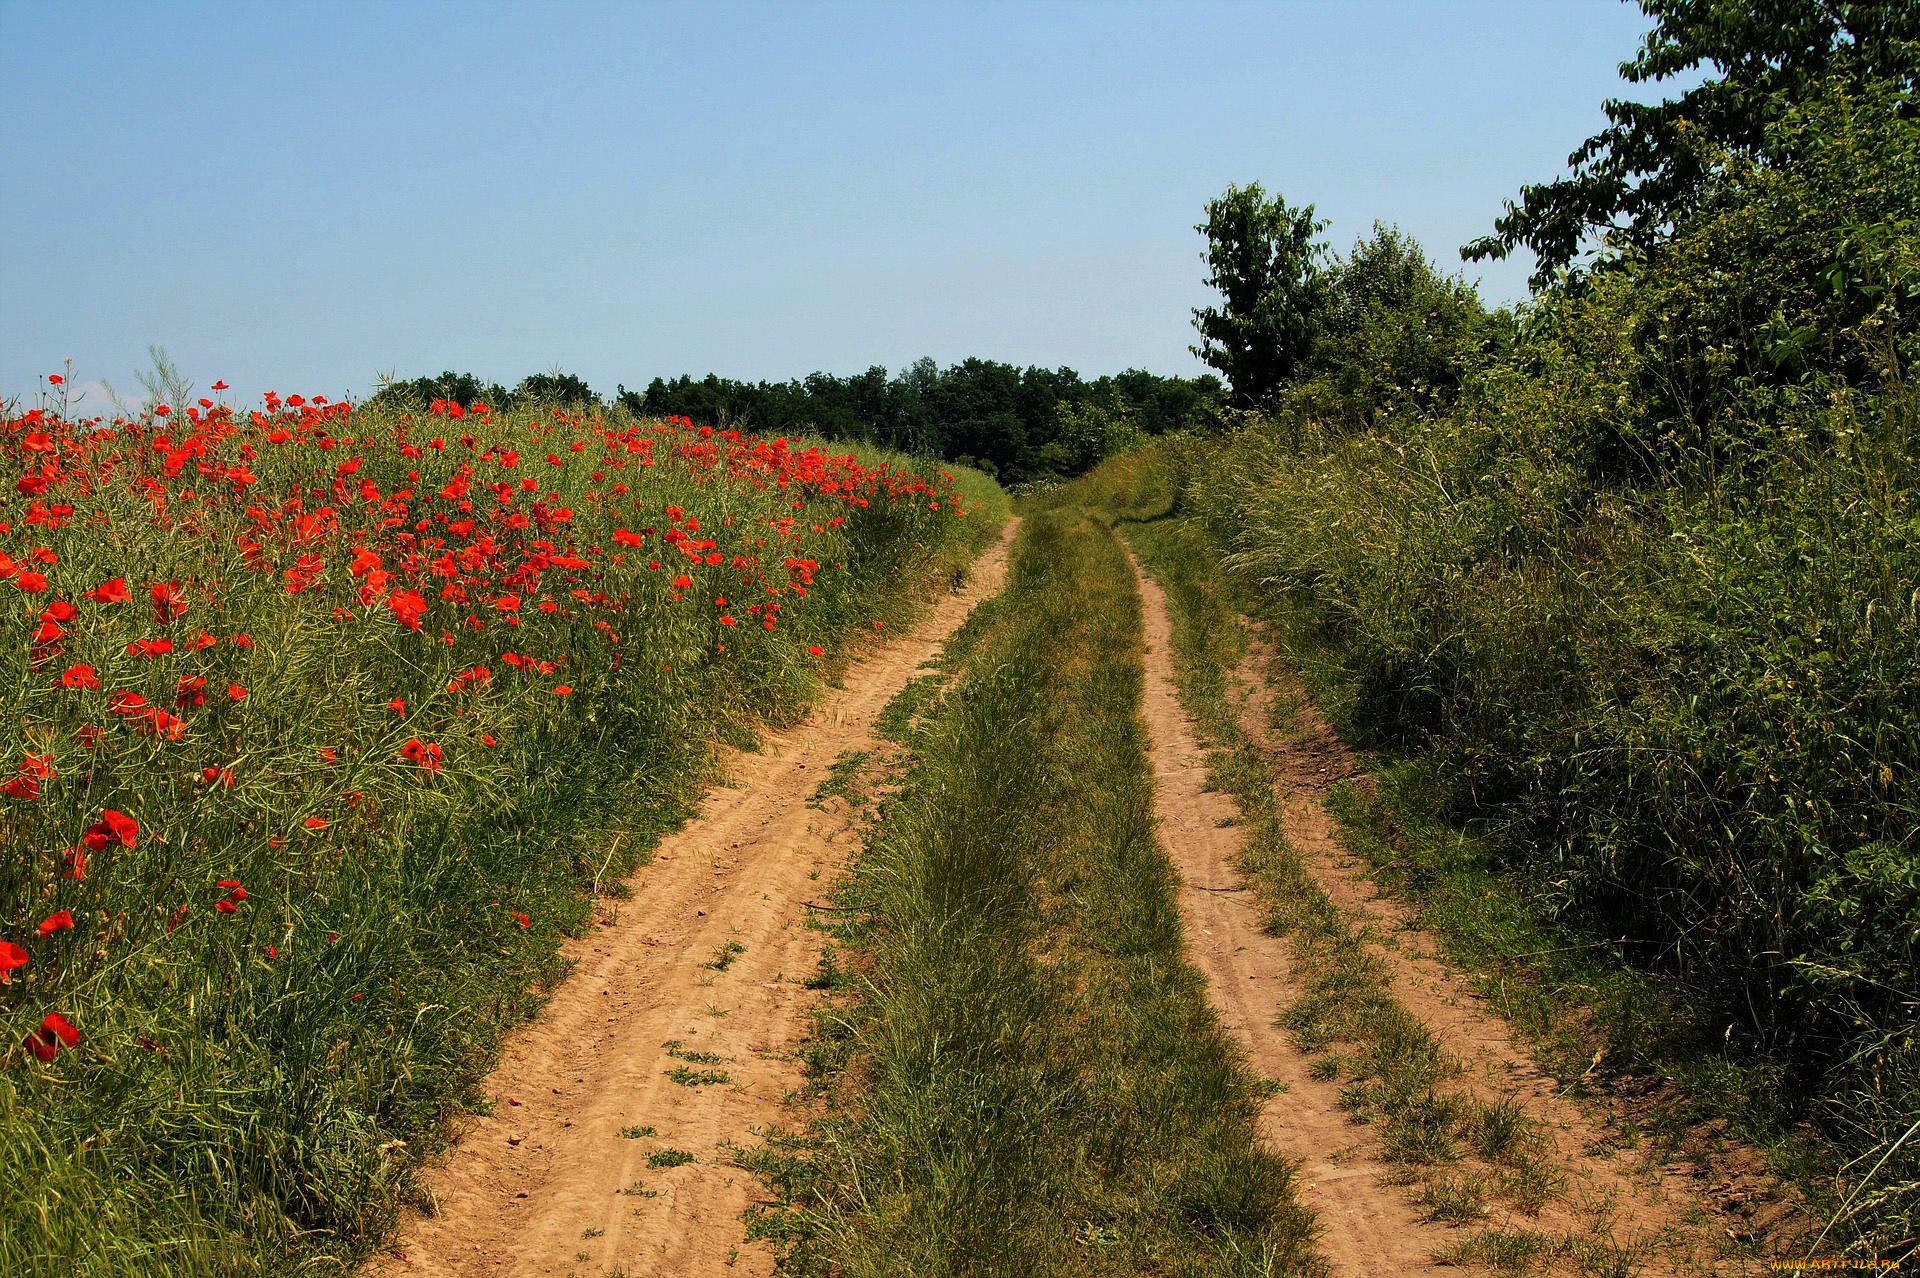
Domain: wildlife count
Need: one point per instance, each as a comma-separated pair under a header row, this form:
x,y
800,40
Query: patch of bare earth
x,y
697,974
1672,1217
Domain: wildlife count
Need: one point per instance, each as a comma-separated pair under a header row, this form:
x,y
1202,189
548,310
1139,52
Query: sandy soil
x,y
1369,1225
556,1179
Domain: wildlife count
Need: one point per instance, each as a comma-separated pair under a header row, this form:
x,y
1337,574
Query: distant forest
x,y
1016,424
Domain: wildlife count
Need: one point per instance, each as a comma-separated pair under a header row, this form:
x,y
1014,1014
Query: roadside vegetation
x,y
1622,584
1023,1076
324,726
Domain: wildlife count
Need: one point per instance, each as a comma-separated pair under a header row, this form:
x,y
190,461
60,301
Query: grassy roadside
x,y
1028,1080
1599,1026
361,755
1469,1157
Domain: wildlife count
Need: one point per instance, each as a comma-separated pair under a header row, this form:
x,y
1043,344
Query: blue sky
x,y
298,196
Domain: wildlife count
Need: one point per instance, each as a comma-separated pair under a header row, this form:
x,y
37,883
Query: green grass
x,y
669,1158
253,1087
842,775
1030,1081
1464,1152
724,955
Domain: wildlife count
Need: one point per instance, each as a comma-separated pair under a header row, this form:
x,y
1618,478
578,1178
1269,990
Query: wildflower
x,y
54,1031
225,906
109,592
521,919
80,676
564,690
398,705
59,921
815,650
315,823
11,956
425,754
236,693
169,601
112,827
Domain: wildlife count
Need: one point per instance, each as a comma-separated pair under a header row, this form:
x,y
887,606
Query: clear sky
x,y
300,195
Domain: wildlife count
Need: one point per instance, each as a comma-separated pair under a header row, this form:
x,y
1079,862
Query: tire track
x,y
574,1169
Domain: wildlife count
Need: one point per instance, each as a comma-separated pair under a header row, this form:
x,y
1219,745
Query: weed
x,y
668,1158
723,957
842,775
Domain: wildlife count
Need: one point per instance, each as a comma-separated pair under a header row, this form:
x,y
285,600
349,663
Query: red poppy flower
x,y
169,601
81,676
682,582
224,906
398,705
523,920
219,386
30,582
814,650
46,1041
73,863
11,956
487,739
22,788
564,690
111,592
315,823
60,921
327,755
54,379
236,692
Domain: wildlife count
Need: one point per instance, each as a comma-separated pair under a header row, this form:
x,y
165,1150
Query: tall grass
x,y
1030,1081
1680,715
417,684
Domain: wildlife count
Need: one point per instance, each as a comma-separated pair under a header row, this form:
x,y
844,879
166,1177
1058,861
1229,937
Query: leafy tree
x,y
463,389
553,387
1263,259
1645,172
1394,332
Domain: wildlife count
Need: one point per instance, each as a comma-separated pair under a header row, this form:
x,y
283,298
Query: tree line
x,y
1017,424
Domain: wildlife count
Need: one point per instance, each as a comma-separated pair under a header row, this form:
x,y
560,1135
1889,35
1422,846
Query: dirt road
x,y
1371,1225
674,1034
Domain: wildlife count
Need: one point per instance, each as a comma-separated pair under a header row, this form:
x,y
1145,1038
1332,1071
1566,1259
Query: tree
x,y
1635,180
1264,261
1394,332
553,387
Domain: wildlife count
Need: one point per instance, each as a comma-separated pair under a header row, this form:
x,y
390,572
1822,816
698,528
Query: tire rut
x,y
1369,1224
572,1170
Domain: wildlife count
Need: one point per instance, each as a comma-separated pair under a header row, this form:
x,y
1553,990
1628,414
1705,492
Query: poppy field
x,y
323,726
